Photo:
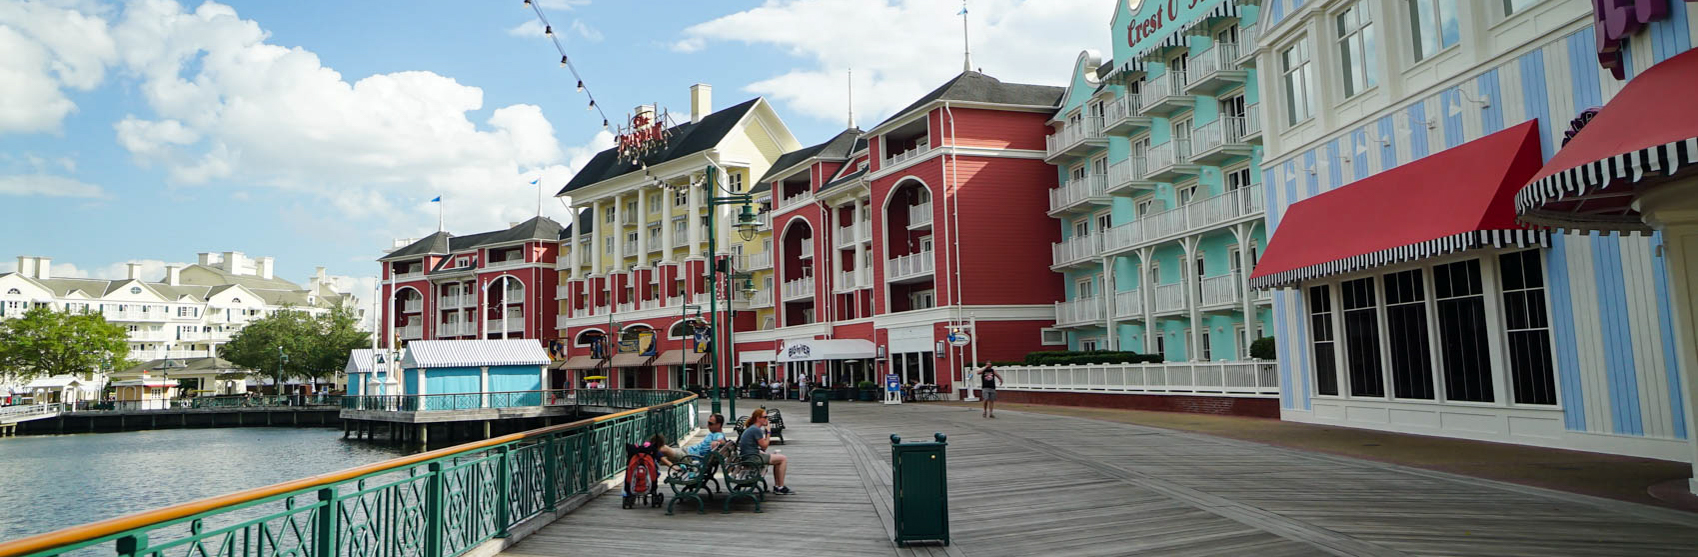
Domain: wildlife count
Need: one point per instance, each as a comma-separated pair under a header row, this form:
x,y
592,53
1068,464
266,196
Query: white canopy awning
x,y
748,356
807,350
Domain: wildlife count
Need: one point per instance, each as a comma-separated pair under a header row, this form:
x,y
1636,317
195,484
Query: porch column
x,y
618,234
1111,291
1672,209
483,387
642,225
1246,265
666,225
1147,284
863,274
693,221
577,252
595,242
1193,281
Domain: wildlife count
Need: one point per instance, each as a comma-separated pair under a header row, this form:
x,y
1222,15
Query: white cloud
x,y
900,49
47,185
58,270
534,28
585,31
530,28
48,48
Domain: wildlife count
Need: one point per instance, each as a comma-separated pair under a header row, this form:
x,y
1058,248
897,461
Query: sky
x,y
318,131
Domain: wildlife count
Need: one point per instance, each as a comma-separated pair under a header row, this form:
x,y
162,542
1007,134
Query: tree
x,y
292,344
45,342
1263,349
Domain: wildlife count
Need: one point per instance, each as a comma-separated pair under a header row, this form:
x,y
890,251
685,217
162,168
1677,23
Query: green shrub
x,y
867,385
1263,349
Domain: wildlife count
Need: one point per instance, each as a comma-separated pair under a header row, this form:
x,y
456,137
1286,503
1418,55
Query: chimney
x,y
26,266
205,259
43,268
174,275
701,101
265,267
135,270
229,262
645,110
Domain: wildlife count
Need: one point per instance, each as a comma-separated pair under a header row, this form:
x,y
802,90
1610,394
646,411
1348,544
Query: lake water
x,y
48,482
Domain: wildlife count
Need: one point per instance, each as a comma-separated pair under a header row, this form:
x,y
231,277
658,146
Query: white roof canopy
x,y
807,350
474,353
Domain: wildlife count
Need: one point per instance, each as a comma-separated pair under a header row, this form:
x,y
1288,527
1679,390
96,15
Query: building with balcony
x,y
184,316
1160,201
634,269
1403,136
888,239
492,285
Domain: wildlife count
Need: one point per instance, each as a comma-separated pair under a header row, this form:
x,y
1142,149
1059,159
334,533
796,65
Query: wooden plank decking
x,y
1031,484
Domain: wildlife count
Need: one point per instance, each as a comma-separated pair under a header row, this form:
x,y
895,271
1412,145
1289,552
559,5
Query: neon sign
x,y
1615,20
647,133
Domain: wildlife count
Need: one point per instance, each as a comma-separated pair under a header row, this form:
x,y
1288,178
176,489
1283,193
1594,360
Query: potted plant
x,y
869,391
841,391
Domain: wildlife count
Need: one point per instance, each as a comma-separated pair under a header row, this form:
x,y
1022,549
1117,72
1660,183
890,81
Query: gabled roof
x,y
836,148
443,243
251,282
586,218
433,244
685,139
980,88
360,360
846,178
474,353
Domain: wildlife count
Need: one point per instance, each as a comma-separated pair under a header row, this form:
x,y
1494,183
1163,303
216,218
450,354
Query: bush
x,y
1263,349
867,385
1068,357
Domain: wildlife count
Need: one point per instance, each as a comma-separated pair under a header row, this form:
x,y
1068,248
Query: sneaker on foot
x,y
782,490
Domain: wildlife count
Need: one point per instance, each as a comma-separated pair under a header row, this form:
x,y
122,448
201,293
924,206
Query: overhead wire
x,y
566,61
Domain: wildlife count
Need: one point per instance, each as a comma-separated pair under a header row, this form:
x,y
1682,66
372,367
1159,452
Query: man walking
x,y
988,380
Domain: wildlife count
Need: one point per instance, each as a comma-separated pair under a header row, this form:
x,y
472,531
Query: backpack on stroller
x,y
642,475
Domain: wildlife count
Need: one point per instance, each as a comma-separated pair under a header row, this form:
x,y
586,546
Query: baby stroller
x,y
642,475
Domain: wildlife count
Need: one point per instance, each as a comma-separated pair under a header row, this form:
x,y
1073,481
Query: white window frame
x,y
1296,64
1090,344
1052,337
681,197
1363,40
1438,11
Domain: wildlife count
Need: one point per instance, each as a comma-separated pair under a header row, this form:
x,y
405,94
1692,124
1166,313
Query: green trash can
x,y
921,490
820,401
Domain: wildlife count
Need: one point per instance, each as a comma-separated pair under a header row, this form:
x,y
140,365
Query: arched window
x,y
135,289
235,300
682,329
13,291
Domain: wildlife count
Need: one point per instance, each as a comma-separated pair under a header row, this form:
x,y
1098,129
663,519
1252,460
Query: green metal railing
x,y
613,398
434,504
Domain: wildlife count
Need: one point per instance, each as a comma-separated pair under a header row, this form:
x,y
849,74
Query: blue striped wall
x,y
1612,332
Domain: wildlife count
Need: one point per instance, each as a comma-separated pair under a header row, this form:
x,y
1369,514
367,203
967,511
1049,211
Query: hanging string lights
x,y
566,61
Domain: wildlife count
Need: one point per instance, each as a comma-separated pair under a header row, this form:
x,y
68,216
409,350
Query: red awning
x,y
1452,200
1649,129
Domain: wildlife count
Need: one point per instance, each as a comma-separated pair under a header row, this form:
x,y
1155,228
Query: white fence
x,y
1252,378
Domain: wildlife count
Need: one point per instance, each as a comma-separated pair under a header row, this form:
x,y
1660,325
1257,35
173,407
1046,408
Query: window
x,y
1294,65
1513,6
1081,228
1233,113
1182,139
1161,344
1088,344
1406,335
1078,173
1362,338
1177,65
1141,147
1233,259
1228,35
1085,288
1105,220
736,182
1185,194
1052,337
1320,330
136,290
1357,46
609,213
1204,345
681,197
630,207
1432,24
924,299
1462,331
1100,166
608,244
1530,375
1145,206
1237,179
654,204
13,291
678,230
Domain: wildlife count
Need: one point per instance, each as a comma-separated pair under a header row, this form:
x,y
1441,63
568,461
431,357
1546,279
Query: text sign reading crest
x,y
1154,20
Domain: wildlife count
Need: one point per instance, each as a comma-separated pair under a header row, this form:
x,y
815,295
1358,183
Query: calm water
x,y
55,481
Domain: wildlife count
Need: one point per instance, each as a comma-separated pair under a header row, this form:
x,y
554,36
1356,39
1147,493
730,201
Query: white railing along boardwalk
x,y
1077,191
1223,289
799,289
13,414
1234,378
919,148
1170,297
1076,249
1081,311
1128,304
909,266
1168,85
920,215
1072,135
1213,60
1198,216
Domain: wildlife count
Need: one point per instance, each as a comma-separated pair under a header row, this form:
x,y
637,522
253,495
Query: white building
x,y
187,314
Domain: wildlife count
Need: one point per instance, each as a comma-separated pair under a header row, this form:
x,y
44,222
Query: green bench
x,y
773,416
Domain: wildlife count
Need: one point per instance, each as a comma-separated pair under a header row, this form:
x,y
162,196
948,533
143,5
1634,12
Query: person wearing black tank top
x,y
988,380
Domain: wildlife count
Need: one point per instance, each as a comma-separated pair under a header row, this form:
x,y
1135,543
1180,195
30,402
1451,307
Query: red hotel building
x,y
492,285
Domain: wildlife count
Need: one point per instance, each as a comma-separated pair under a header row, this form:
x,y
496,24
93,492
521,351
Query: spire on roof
x,y
966,44
851,98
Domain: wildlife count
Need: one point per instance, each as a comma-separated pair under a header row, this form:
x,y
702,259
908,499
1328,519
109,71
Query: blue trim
x,y
1583,71
1451,103
1290,183
1335,172
1272,201
1417,130
1303,348
1617,331
1388,150
1562,333
1311,180
1282,350
1359,153
1538,105
1671,36
1491,119
1665,320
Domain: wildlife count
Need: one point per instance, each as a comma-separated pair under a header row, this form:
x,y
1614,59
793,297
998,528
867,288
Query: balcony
x,y
560,321
1079,194
1171,161
1166,94
145,355
1219,141
135,315
909,267
455,329
1253,122
625,307
1224,290
411,332
514,325
1082,312
1199,216
761,299
1128,175
563,262
1121,116
630,249
794,201
1075,140
653,243
680,237
403,277
846,237
627,218
1215,69
846,281
508,264
674,301
1247,39
1170,298
562,292
911,154
1129,304
799,289
920,216
754,261
412,306
807,249
160,336
1075,251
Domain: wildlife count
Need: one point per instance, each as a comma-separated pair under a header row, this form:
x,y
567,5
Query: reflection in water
x,y
55,481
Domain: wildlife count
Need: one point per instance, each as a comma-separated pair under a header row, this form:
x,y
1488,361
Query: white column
x,y
1245,264
1672,209
1147,289
693,222
642,225
1109,292
1188,274
863,274
422,387
577,249
596,240
618,234
483,387
666,225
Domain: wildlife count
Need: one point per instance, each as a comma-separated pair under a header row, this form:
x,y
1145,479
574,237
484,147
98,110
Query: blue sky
x,y
316,131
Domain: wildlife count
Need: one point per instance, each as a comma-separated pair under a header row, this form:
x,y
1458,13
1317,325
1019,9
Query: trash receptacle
x,y
820,401
920,489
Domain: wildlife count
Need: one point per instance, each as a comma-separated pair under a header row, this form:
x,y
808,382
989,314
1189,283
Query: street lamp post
x,y
747,222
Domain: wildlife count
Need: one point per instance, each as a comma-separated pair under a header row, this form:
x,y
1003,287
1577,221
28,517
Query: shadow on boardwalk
x,y
1031,484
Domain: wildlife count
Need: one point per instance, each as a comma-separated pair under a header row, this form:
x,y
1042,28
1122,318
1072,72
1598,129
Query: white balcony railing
x,y
761,299
1075,250
1170,297
787,203
798,289
1223,132
847,280
920,215
1167,155
1081,311
630,248
415,275
1260,378
1247,39
807,249
1253,119
762,260
508,264
1125,172
1213,60
1077,191
1128,304
1223,289
560,321
1163,87
919,149
625,307
909,266
514,326
846,237
653,242
411,332
453,330
1118,110
1071,135
412,306
680,237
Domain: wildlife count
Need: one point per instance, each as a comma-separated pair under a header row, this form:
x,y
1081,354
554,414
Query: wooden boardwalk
x,y
1032,484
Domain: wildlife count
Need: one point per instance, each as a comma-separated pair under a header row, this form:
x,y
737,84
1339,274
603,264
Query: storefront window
x,y
1406,335
1463,332
1321,333
1362,338
1530,372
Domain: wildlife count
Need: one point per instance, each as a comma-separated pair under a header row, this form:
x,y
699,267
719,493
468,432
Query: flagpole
x,y
439,227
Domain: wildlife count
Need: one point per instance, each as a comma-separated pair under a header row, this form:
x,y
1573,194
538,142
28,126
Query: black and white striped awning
x,y
1496,239
1126,71
1554,200
1203,23
1170,42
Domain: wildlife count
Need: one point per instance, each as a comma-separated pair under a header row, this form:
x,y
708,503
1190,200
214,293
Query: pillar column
x,y
666,225
1147,283
1244,232
1672,209
577,251
1188,275
693,221
483,387
863,275
596,241
642,225
1110,290
618,234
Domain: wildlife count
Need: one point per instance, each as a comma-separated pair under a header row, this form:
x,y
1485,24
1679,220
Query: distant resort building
x,y
509,372
491,285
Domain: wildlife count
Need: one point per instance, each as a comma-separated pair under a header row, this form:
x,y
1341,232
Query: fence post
x,y
324,530
550,474
433,511
132,545
503,506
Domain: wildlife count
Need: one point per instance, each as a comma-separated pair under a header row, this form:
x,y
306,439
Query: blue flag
x,y
437,200
534,182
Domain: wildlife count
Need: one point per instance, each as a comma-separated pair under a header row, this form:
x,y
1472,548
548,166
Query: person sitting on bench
x,y
715,436
754,442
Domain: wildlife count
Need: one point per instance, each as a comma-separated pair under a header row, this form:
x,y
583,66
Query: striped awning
x,y
1201,25
1451,201
1126,71
1648,130
679,357
474,353
580,362
1170,42
629,359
